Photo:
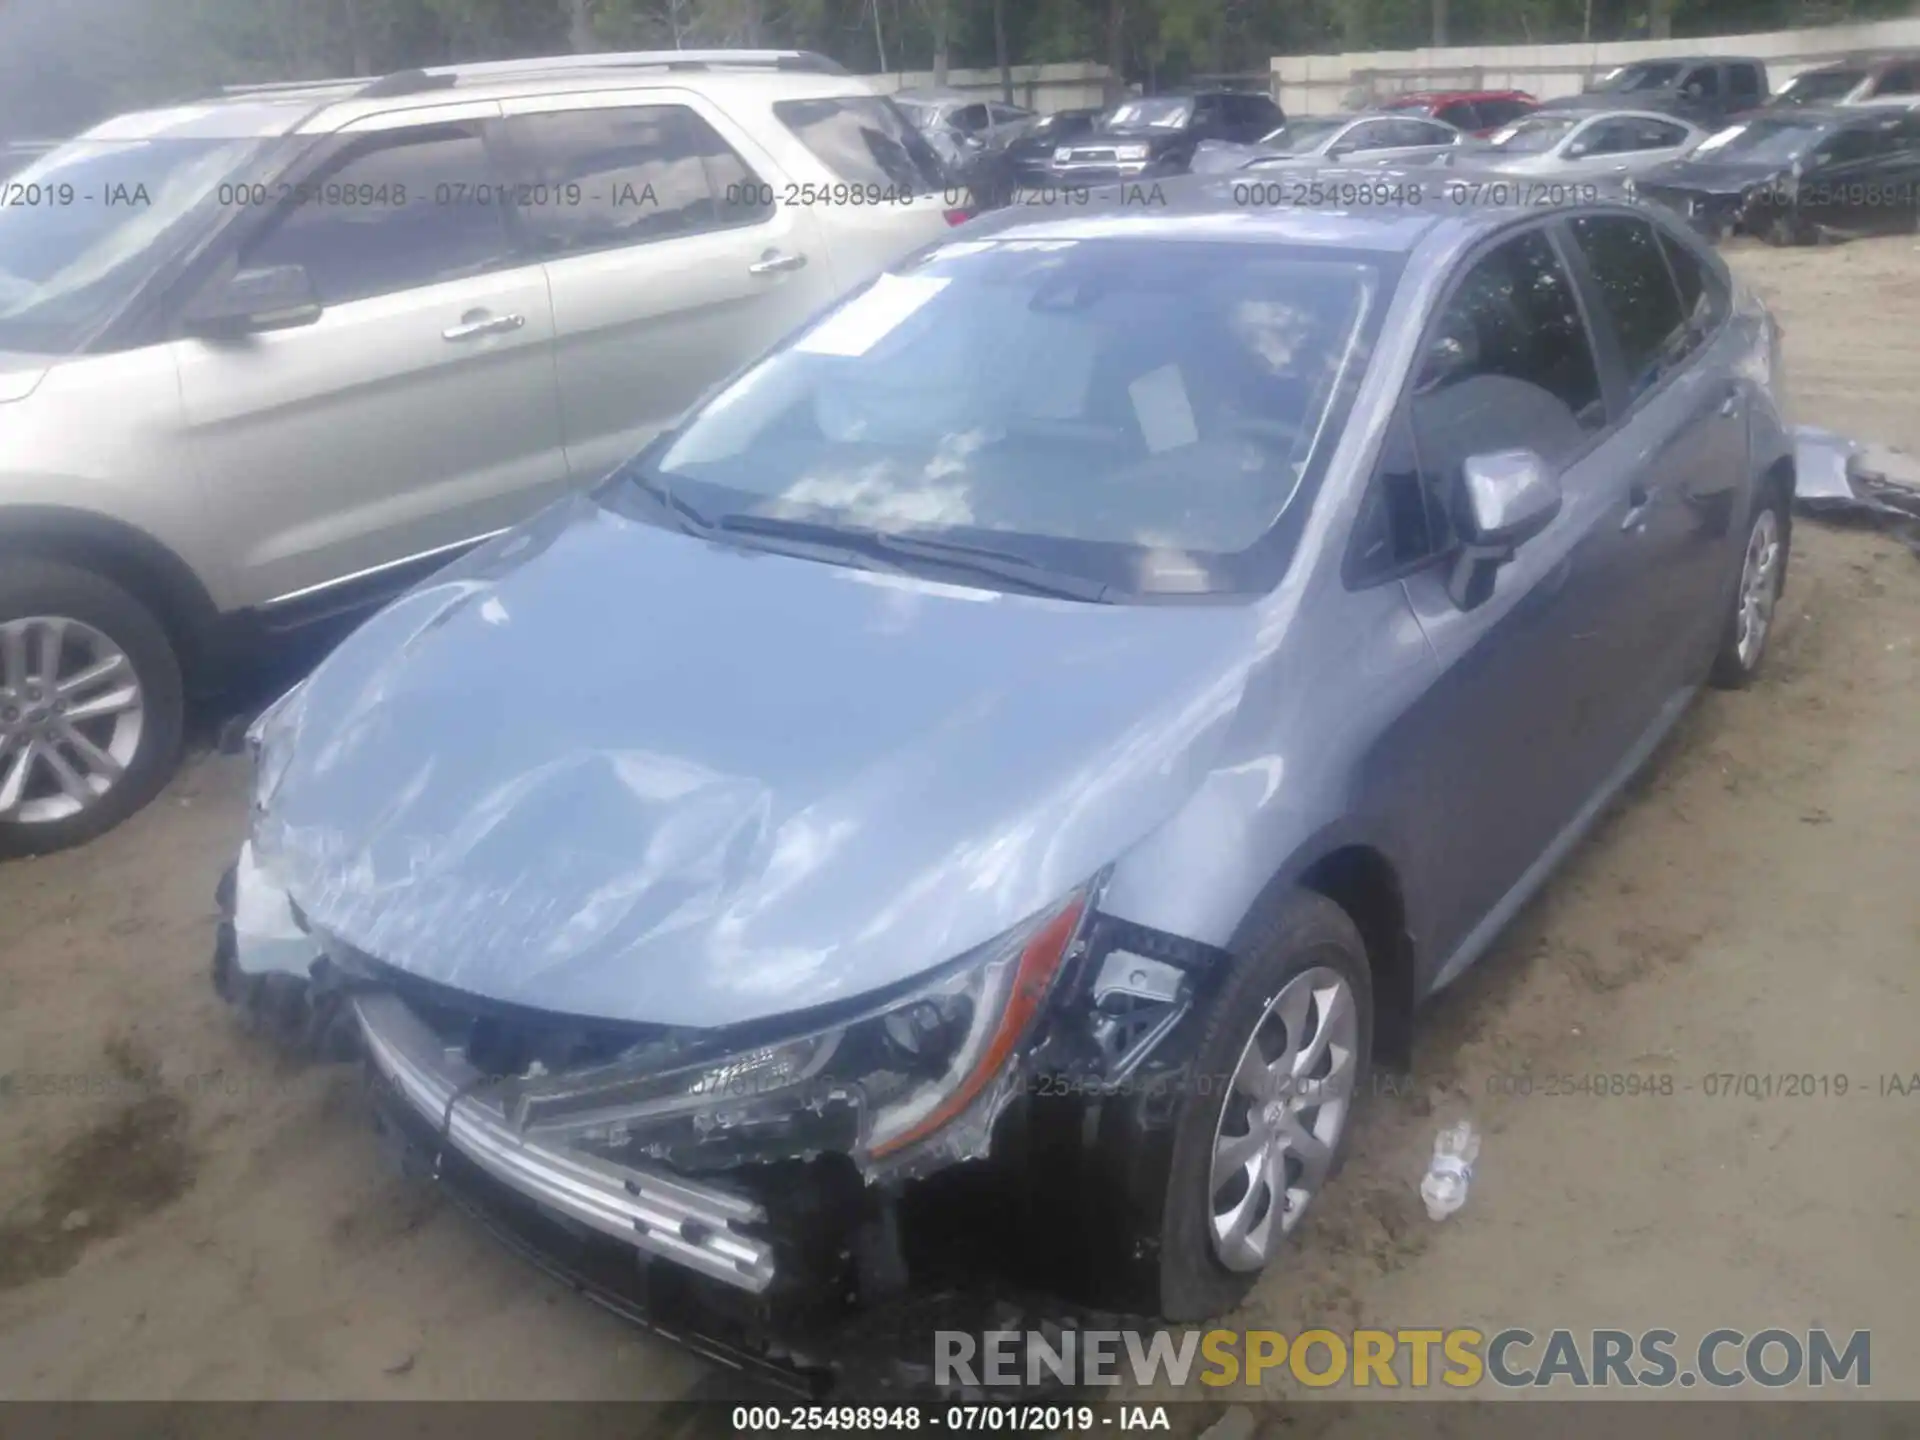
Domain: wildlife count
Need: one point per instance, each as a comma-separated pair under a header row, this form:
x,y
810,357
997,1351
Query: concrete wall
x,y
1315,84
1045,88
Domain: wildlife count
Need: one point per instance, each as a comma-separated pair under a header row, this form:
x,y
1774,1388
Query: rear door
x,y
1684,432
1623,144
1846,186
674,251
419,411
1746,87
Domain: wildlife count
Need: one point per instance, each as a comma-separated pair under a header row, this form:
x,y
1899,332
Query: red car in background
x,y
1478,112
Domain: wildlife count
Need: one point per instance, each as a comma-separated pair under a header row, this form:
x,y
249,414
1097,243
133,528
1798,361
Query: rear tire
x,y
1756,595
1306,946
91,706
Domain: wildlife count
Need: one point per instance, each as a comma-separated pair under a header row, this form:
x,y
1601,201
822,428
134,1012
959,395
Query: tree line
x,y
66,63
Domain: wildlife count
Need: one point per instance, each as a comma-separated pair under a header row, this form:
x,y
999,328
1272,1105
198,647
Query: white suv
x,y
267,359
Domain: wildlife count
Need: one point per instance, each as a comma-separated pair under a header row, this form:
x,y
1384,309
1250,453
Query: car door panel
x,y
681,274
1507,364
400,422
1683,430
1503,724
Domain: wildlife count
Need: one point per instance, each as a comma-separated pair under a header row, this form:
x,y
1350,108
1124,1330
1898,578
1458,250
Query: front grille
x,y
707,1230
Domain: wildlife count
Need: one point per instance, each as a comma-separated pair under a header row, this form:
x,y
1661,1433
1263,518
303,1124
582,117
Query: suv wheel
x,y
1763,568
90,706
1284,1055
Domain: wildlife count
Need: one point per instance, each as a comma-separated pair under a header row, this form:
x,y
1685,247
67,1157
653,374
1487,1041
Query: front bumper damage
x,y
704,1229
805,1272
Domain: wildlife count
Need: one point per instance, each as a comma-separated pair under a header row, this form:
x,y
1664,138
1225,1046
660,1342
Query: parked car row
x,y
1800,174
1021,748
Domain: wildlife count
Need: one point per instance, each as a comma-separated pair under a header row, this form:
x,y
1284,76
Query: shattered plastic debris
x,y
1837,477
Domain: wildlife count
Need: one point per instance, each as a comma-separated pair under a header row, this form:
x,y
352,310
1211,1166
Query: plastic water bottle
x,y
1445,1186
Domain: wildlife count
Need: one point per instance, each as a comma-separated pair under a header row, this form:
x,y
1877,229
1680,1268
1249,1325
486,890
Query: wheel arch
x,y
129,557
1358,874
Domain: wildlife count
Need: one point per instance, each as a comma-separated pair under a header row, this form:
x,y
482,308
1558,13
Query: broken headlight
x,y
874,1087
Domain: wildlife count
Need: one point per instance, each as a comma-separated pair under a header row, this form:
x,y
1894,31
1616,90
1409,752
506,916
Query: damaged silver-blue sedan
x,y
985,788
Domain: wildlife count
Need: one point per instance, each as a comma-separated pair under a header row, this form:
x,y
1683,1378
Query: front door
x,y
1507,364
418,412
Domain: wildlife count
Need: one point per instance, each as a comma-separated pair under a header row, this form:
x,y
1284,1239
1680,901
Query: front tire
x,y
91,706
1284,1055
1763,570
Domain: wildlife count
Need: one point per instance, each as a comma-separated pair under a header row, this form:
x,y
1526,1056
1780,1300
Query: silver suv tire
x,y
91,707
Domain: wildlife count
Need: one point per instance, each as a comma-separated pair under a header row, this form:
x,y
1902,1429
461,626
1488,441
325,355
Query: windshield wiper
x,y
685,516
952,554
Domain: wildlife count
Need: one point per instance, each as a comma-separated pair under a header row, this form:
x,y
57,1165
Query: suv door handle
x,y
476,323
775,261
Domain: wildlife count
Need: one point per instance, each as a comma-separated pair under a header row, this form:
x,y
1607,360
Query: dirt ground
x,y
180,1218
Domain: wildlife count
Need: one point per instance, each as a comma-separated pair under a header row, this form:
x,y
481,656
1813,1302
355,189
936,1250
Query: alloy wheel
x,y
71,715
1759,588
1281,1120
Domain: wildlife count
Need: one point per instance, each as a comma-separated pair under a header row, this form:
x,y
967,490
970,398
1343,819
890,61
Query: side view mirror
x,y
1340,151
1508,497
276,297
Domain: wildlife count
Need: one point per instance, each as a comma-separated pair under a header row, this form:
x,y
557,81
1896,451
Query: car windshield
x,y
1145,415
1819,85
1150,115
1296,137
1534,134
78,233
1650,76
1773,141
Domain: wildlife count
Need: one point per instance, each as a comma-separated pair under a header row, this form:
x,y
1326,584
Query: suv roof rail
x,y
291,87
806,61
406,82
443,77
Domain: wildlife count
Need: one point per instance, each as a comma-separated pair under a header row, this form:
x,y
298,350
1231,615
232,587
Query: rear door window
x,y
1414,133
1637,296
1743,82
1500,112
1703,299
864,140
1704,81
606,177
1464,114
1899,80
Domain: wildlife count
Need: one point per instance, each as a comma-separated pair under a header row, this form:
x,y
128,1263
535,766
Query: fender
x,y
130,557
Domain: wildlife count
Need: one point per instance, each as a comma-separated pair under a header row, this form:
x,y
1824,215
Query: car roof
x,y
1413,208
1425,97
1865,64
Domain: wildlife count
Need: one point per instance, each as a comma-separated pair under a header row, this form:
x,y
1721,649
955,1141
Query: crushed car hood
x,y
606,769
